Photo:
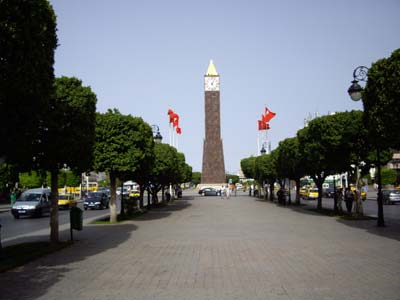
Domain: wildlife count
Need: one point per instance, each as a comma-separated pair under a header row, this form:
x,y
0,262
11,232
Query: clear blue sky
x,y
296,57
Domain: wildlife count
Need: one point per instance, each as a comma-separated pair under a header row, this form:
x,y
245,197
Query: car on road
x,y
312,194
209,191
134,194
328,192
391,196
96,200
304,192
65,201
34,202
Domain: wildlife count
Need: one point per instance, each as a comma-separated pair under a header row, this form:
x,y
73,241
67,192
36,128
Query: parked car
x,y
391,196
209,191
96,200
34,202
313,194
66,201
106,191
328,192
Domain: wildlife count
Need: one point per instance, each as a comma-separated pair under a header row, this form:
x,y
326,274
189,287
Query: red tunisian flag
x,y
175,120
178,130
263,125
268,115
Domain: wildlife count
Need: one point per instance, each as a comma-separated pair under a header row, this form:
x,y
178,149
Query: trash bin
x,y
76,218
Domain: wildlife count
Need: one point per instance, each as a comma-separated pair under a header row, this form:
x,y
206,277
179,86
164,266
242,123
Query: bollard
x,y
76,219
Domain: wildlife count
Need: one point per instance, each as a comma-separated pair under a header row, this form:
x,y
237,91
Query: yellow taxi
x,y
66,201
313,194
304,192
363,194
134,194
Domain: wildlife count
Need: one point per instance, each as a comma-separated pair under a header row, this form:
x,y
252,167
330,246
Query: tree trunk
x,y
319,181
162,194
142,189
113,200
297,191
54,237
122,212
148,198
271,192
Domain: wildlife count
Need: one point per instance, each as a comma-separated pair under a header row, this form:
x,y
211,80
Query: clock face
x,y
211,83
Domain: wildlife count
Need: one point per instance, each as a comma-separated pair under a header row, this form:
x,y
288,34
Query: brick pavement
x,y
212,248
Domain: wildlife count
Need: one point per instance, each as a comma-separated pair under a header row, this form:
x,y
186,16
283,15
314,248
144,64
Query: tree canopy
x,y
124,144
27,43
381,99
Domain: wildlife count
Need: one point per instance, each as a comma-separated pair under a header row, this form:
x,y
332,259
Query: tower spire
x,y
211,69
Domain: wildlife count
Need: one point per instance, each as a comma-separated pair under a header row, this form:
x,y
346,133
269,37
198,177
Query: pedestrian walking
x,y
222,192
228,192
349,198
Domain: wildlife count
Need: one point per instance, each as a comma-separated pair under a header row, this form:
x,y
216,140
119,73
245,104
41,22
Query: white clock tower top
x,y
211,71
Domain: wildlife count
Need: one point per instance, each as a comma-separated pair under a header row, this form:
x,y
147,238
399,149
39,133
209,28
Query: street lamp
x,y
156,133
263,151
355,91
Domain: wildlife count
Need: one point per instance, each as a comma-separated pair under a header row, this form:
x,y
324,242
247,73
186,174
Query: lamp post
x,y
263,151
156,133
355,91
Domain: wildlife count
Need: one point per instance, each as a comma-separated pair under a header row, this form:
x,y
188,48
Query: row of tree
x,y
331,144
47,123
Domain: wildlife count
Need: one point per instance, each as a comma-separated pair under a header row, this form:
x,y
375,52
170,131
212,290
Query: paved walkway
x,y
212,248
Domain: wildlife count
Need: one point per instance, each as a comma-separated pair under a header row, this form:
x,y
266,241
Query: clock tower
x,y
213,171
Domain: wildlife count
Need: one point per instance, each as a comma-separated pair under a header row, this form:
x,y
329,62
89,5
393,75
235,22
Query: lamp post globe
x,y
263,151
156,134
158,137
355,91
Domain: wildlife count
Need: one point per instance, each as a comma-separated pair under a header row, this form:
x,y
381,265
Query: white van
x,y
34,202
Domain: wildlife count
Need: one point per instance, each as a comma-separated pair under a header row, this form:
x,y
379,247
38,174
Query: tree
x,y
166,168
389,176
124,144
32,179
265,170
289,163
68,137
196,178
330,144
68,178
234,178
8,178
381,98
248,166
27,43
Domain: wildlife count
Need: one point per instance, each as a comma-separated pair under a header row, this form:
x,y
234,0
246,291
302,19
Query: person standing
x,y
349,198
228,192
13,197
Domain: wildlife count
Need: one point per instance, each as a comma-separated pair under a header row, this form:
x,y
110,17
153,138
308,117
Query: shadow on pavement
x,y
165,211
34,279
390,231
